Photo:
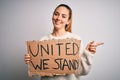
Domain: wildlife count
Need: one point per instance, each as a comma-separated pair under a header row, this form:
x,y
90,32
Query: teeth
x,y
58,22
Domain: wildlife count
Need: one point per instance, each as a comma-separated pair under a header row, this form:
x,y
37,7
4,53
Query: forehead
x,y
62,10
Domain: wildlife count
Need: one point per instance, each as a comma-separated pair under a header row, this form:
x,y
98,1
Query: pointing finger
x,y
99,43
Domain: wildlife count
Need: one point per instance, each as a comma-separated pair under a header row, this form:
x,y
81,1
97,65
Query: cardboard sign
x,y
53,57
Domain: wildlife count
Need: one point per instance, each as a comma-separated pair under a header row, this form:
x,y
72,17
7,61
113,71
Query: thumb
x,y
92,42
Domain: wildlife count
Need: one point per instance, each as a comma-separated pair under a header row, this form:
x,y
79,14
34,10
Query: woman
x,y
62,21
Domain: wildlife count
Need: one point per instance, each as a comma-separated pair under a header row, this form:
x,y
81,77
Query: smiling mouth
x,y
57,22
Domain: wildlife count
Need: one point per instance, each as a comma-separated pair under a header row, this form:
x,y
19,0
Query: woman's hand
x,y
27,58
91,47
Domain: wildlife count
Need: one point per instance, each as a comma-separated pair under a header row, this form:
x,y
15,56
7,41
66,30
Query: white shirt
x,y
86,59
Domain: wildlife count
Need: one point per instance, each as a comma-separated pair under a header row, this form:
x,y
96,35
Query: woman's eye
x,y
64,16
55,14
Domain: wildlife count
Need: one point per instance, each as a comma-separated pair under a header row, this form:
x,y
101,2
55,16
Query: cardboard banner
x,y
53,57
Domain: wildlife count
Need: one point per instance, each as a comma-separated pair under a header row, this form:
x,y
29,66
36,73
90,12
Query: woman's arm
x,y
86,56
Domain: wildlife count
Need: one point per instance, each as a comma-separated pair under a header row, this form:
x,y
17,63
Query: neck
x,y
58,33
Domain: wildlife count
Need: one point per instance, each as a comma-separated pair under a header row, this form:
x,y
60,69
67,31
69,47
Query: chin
x,y
57,26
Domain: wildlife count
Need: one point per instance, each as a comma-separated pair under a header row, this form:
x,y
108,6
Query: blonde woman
x,y
62,22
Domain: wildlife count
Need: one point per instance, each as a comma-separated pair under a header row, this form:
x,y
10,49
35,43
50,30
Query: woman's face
x,y
60,17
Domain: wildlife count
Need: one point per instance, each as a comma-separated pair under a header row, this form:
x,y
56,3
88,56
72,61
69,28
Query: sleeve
x,y
86,61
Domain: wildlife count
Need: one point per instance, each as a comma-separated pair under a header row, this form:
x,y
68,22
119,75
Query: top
x,y
86,59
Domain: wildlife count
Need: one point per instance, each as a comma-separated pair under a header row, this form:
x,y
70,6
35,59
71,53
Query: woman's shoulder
x,y
46,37
74,35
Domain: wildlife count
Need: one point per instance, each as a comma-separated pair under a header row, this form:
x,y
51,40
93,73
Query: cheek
x,y
66,21
54,17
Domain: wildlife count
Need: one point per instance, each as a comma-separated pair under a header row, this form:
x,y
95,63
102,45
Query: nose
x,y
59,17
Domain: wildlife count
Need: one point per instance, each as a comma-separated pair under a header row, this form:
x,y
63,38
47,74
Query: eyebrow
x,y
59,13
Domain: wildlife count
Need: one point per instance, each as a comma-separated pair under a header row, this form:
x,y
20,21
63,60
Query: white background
x,y
22,20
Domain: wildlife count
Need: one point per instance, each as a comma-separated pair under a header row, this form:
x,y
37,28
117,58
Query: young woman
x,y
62,21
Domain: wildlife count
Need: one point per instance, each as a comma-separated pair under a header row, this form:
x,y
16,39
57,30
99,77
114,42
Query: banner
x,y
53,57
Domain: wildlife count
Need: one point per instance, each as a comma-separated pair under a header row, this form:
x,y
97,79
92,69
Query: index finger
x,y
99,43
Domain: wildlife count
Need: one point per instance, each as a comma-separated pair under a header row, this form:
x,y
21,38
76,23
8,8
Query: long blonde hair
x,y
68,27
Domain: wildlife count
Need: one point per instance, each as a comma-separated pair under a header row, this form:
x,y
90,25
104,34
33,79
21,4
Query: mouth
x,y
57,22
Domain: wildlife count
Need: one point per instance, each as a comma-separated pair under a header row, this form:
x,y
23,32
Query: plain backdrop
x,y
22,20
